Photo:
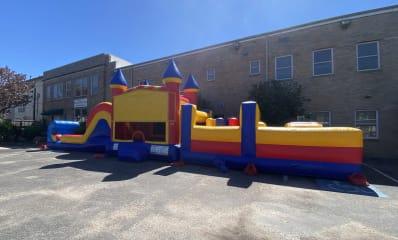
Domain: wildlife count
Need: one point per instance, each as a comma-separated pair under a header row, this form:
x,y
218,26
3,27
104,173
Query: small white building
x,y
32,111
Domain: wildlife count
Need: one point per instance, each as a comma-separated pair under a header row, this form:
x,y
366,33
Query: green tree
x,y
279,101
203,103
14,89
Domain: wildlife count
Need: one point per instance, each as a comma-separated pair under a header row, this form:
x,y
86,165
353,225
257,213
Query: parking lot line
x,y
380,172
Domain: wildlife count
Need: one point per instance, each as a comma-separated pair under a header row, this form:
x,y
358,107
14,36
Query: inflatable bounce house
x,y
147,122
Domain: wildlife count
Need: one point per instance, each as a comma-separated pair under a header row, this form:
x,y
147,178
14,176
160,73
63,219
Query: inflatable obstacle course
x,y
149,121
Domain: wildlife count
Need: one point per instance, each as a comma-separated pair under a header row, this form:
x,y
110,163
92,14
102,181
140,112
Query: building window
x,y
81,87
21,109
211,74
94,84
58,91
368,122
84,87
284,67
322,62
254,67
80,114
368,57
145,82
68,88
323,117
49,92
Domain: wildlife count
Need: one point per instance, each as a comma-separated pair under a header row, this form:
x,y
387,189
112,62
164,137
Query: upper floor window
x,y
68,88
81,87
94,84
49,92
58,91
211,74
368,122
254,67
368,57
284,67
322,62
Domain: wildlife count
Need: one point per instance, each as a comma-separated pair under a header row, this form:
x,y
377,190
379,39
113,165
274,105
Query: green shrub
x,y
35,130
7,130
279,101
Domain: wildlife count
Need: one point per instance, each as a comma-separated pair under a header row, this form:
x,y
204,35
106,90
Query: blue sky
x,y
40,35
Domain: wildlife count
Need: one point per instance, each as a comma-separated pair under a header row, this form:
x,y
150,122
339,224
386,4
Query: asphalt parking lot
x,y
59,195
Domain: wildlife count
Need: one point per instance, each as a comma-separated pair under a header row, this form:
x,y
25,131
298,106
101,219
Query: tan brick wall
x,y
345,91
340,93
97,65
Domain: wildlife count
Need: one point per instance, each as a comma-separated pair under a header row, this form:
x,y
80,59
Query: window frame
x,y
378,56
331,60
96,78
49,92
250,67
68,88
214,74
377,123
291,71
59,91
85,87
329,116
78,85
21,109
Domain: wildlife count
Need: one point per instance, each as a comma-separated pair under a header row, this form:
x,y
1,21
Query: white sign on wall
x,y
80,103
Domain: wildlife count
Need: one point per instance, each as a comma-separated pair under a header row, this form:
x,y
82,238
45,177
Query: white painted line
x,y
379,194
382,173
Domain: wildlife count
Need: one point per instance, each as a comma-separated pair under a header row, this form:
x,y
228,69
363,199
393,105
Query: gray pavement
x,y
58,195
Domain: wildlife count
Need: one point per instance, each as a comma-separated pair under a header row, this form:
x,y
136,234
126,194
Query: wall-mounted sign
x,y
80,103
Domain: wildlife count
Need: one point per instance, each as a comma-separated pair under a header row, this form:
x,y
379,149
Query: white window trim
x,y
276,75
259,67
377,122
378,56
313,62
207,74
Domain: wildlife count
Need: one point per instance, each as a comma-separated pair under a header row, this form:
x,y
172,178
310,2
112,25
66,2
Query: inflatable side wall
x,y
318,151
160,122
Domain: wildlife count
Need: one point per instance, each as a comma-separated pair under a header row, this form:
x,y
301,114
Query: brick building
x,y
346,66
72,90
